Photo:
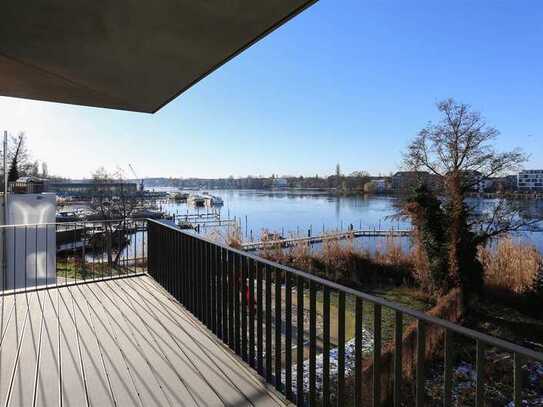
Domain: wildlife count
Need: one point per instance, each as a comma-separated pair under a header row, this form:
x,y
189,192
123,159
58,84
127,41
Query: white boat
x,y
196,200
212,200
178,196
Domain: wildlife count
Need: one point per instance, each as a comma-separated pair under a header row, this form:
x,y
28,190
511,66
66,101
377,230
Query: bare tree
x,y
19,159
115,208
459,150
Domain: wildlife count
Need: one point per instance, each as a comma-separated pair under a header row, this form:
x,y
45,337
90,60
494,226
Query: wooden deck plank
x,y
10,345
21,394
119,343
198,390
73,390
153,346
7,304
97,381
225,373
146,383
48,380
122,386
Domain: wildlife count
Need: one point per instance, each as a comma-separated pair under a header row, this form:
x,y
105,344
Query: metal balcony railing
x,y
281,321
49,255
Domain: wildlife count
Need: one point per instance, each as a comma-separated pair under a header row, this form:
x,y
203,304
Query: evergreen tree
x,y
13,174
430,220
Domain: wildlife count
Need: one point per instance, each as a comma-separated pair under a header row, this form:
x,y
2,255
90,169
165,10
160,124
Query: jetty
x,y
252,246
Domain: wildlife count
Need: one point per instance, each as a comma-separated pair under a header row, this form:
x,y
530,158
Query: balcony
x,y
166,317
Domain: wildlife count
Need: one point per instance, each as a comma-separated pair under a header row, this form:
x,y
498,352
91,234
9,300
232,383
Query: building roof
x,y
126,54
410,173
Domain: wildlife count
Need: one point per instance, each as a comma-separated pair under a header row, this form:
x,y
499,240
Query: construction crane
x,y
136,176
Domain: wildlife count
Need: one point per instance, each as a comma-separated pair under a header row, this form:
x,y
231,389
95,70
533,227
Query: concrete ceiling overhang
x,y
126,54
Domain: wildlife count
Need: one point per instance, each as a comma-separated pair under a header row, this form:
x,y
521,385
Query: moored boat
x,y
196,200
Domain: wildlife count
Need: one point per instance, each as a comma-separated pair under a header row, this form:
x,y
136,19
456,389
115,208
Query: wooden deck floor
x,y
119,343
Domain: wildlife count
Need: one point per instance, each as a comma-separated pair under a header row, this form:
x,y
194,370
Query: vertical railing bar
x,y
47,256
36,257
359,312
218,291
180,259
278,325
74,252
212,288
208,285
244,303
288,336
341,349
251,275
480,372
326,348
190,257
143,245
186,268
26,263
175,261
377,343
93,258
398,342
312,343
83,251
195,286
259,318
196,283
517,381
448,369
135,246
198,280
421,351
194,275
182,268
203,284
14,228
268,312
237,298
224,271
231,293
300,342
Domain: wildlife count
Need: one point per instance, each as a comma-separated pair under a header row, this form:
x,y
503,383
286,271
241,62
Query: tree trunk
x,y
455,229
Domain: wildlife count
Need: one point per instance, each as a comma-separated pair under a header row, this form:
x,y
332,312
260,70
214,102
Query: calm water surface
x,y
293,212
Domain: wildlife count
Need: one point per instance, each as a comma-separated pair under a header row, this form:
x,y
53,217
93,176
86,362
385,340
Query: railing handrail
x,y
71,223
480,336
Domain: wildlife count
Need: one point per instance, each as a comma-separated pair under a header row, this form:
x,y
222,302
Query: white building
x,y
380,185
280,182
530,180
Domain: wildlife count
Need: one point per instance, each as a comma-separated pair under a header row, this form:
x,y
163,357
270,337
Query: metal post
x,y
6,219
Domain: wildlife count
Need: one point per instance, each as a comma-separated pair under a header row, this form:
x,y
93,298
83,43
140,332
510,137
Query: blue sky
x,y
347,81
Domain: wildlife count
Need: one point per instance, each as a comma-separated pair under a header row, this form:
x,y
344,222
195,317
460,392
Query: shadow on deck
x,y
116,342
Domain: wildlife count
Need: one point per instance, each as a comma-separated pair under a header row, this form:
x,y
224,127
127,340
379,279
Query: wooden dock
x,y
251,246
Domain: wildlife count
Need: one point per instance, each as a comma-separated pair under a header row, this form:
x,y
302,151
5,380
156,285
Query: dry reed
x,y
511,266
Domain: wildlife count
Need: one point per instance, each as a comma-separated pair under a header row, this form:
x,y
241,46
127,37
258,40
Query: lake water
x,y
297,212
